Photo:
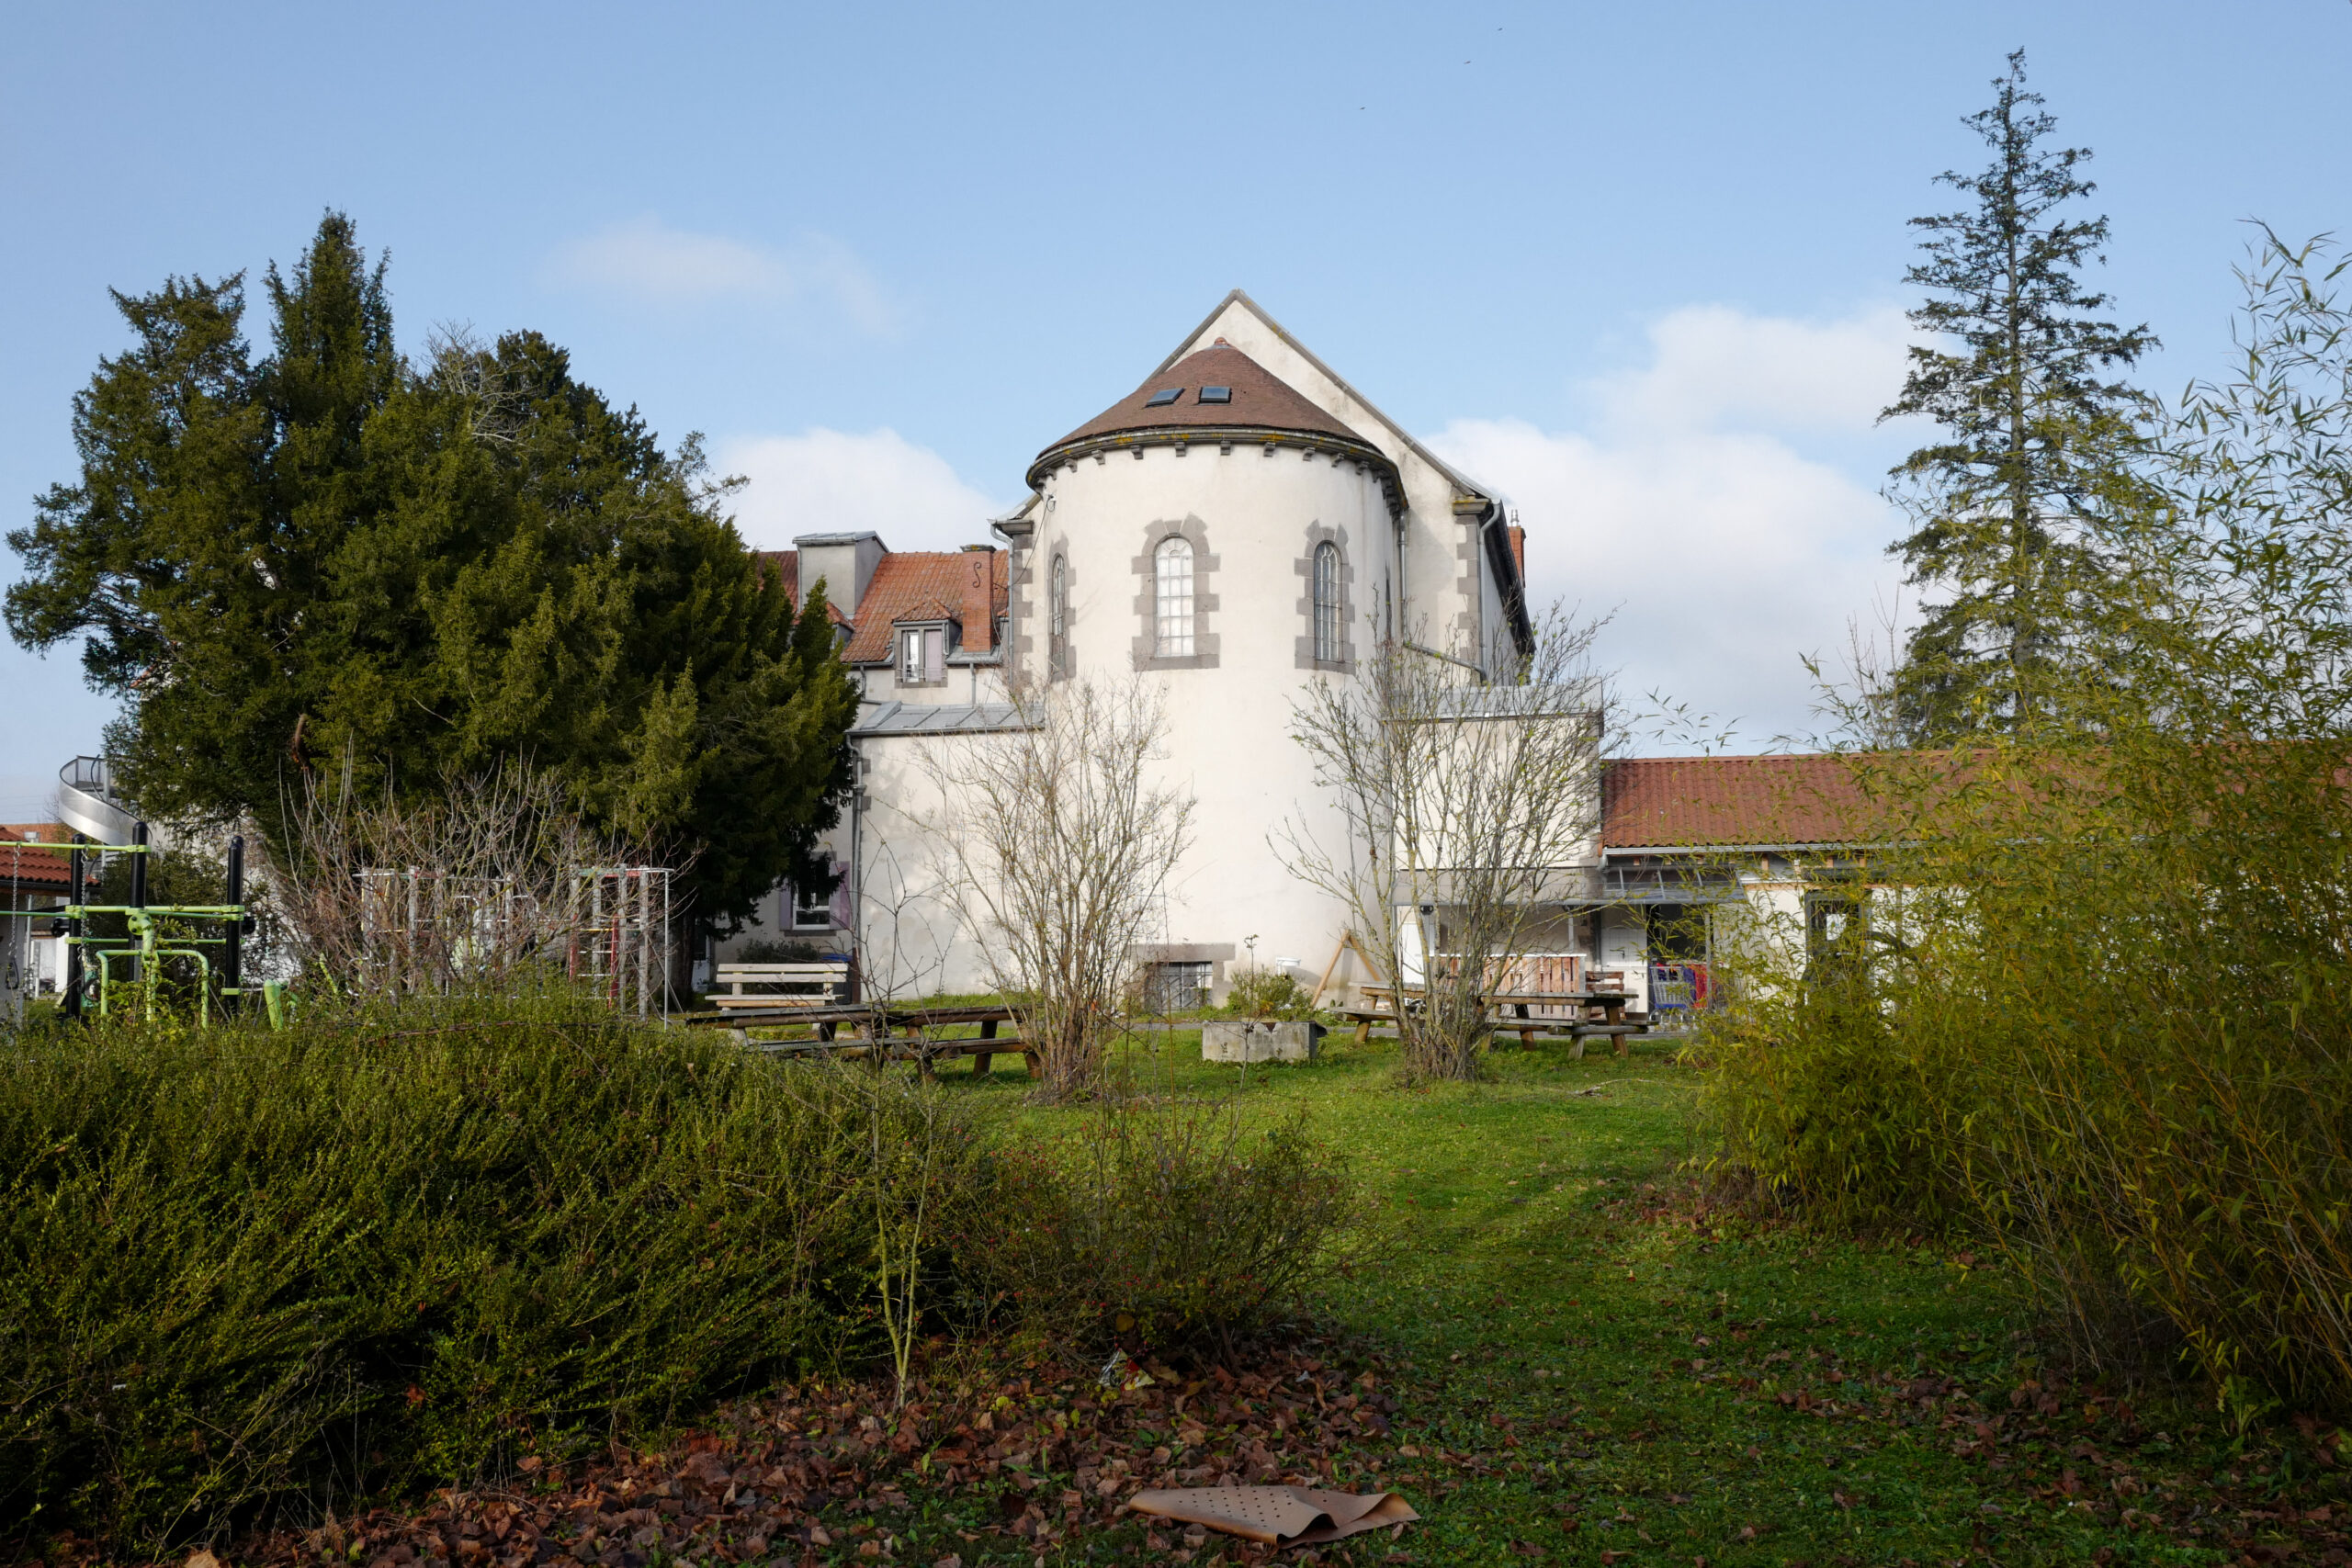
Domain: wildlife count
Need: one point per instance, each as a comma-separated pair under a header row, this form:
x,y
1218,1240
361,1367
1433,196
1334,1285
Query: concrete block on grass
x,y
1259,1040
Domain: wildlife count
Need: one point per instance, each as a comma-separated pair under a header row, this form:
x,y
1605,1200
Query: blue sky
x,y
1639,265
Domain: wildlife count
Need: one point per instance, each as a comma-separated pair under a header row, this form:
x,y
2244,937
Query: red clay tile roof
x,y
33,868
1261,401
1727,801
784,566
964,586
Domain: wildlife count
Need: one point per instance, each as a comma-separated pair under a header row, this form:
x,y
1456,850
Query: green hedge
x,y
238,1265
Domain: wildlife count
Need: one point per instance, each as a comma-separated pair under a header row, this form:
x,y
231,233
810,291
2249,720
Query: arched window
x,y
1326,604
1172,617
1061,597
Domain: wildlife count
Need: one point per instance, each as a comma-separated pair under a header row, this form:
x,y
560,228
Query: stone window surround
x,y
1469,626
1145,565
1059,660
1020,567
1318,534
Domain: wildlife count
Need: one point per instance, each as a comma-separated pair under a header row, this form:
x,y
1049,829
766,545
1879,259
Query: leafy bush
x,y
1827,1102
236,1265
1266,993
2107,1027
1164,1223
777,950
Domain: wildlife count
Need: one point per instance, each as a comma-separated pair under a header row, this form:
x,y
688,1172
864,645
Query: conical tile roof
x,y
1259,402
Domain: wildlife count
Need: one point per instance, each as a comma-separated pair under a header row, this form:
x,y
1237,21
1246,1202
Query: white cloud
x,y
1711,365
649,260
827,482
1689,506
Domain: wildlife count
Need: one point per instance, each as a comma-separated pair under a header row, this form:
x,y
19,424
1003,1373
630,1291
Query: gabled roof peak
x,y
1241,298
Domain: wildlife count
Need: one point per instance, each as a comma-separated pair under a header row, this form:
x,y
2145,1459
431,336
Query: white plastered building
x,y
1242,523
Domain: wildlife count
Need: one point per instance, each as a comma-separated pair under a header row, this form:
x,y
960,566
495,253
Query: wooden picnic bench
x,y
830,980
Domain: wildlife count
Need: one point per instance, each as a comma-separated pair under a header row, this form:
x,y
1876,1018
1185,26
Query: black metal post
x,y
73,930
232,950
138,882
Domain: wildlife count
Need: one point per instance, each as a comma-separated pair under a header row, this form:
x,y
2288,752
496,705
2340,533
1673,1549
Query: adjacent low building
x,y
33,865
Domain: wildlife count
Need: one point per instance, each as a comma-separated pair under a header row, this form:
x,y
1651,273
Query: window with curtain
x,y
1327,604
922,656
1173,620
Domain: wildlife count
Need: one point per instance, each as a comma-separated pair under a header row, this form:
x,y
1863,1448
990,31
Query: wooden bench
x,y
1363,1018
813,985
925,1052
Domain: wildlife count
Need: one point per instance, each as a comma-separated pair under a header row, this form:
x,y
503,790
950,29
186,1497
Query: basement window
x,y
1163,398
1217,394
1177,988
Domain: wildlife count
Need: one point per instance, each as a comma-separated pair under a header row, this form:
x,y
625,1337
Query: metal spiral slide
x,y
88,802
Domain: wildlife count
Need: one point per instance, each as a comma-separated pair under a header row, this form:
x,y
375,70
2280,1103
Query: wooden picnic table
x,y
883,1031
1613,1024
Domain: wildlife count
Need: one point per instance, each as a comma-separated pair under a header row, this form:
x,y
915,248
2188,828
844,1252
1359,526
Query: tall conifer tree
x,y
2037,438
336,563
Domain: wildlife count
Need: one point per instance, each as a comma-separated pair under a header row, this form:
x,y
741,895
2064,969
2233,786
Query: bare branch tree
x,y
496,878
1062,849
1467,813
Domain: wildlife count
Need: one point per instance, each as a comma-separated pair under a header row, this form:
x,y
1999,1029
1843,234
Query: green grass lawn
x,y
1594,1365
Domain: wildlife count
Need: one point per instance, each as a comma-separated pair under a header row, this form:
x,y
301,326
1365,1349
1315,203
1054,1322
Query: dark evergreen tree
x,y
2037,441
338,564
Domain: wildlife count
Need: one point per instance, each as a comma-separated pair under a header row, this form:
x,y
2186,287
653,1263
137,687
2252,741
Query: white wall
x,y
1258,518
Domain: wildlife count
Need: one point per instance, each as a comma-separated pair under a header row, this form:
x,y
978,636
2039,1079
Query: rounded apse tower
x,y
1228,540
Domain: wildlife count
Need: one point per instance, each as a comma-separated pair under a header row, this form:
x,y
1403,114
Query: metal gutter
x,y
1738,849
1226,437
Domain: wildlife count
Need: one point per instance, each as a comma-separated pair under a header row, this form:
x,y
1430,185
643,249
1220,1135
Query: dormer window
x,y
922,656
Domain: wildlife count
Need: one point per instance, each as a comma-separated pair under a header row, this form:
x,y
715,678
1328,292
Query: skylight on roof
x,y
1163,398
1217,394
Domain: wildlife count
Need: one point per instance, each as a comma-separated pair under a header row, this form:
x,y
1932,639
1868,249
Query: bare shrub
x,y
495,882
1469,811
1061,850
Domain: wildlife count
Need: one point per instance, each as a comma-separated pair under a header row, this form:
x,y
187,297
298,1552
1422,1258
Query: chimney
x,y
845,562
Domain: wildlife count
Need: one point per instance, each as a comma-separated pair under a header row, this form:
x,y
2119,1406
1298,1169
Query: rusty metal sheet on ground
x,y
1278,1516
